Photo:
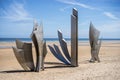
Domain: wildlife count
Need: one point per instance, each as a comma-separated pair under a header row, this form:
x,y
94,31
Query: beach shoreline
x,y
9,44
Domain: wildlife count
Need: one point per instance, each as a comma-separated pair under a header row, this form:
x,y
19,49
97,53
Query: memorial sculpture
x,y
40,46
95,43
23,51
73,59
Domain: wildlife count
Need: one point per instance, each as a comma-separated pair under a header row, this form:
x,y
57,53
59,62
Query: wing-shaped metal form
x,y
93,34
19,54
60,54
44,50
37,51
73,59
95,46
28,56
19,44
63,45
57,55
44,55
40,46
23,53
99,45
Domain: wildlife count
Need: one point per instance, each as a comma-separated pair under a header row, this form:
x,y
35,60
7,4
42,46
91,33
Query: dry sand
x,y
107,69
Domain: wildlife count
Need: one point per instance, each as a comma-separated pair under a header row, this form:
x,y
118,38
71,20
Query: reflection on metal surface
x,y
73,59
23,52
94,43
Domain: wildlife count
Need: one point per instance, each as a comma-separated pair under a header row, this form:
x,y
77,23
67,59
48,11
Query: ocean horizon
x,y
54,39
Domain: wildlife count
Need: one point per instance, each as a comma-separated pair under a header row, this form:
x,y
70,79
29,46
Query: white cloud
x,y
112,26
73,2
110,29
110,15
16,12
63,9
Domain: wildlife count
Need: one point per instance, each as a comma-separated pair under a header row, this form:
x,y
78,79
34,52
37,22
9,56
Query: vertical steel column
x,y
74,38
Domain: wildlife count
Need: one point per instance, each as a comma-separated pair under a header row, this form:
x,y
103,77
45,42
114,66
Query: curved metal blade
x,y
28,55
93,34
60,54
63,45
56,54
27,49
19,54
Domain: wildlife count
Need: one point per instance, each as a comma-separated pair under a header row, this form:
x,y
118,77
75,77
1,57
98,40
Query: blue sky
x,y
17,16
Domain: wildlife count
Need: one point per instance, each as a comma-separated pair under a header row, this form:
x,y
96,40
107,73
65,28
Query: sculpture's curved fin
x,y
37,38
66,53
19,44
19,54
60,54
44,50
27,49
95,46
55,54
91,39
93,34
35,25
60,36
37,51
99,45
63,45
28,55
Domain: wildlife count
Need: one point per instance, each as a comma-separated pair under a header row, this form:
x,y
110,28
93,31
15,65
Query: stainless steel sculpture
x,y
23,53
74,38
40,46
63,45
73,59
94,43
57,53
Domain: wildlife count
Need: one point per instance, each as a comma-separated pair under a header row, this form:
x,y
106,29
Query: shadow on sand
x,y
56,65
15,71
52,65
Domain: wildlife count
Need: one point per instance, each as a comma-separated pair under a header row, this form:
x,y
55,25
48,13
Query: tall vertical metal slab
x,y
74,38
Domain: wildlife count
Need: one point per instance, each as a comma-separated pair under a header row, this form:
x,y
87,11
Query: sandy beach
x,y
107,69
